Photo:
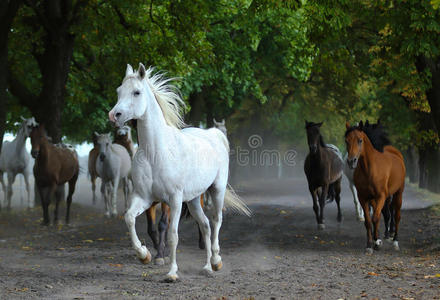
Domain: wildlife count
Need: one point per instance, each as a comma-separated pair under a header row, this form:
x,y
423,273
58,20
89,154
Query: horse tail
x,y
234,202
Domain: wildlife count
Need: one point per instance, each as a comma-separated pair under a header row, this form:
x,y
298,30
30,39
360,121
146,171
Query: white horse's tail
x,y
234,202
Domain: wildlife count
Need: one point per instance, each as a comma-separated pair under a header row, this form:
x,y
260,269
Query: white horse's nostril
x,y
118,115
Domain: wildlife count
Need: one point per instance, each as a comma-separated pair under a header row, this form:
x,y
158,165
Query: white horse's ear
x,y
215,121
141,71
129,70
21,117
96,134
223,122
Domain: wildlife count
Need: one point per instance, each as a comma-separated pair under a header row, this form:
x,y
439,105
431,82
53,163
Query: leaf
x,y
373,274
87,241
115,265
432,276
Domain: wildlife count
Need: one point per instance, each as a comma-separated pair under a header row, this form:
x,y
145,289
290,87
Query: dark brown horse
x,y
93,155
54,166
378,177
323,169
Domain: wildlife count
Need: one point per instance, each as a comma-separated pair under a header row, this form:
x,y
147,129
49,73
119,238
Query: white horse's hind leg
x,y
173,237
26,181
5,191
197,212
137,207
104,196
126,189
357,205
218,197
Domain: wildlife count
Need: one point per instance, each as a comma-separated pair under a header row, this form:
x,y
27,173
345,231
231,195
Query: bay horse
x,y
123,138
173,165
93,155
15,159
323,169
54,166
379,177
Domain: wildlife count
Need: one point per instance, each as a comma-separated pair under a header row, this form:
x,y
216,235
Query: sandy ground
x,y
276,254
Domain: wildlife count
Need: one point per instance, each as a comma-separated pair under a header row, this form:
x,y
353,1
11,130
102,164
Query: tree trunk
x,y
8,10
433,169
55,66
423,172
411,164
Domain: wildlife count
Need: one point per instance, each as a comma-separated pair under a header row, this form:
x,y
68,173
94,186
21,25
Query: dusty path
x,y
277,254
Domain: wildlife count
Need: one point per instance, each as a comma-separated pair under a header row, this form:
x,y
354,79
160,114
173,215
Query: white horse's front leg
x,y
11,179
173,238
26,181
357,205
217,218
197,212
137,207
114,195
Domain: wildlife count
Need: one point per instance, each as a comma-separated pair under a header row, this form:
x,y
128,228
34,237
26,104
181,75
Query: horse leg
x,y
357,205
151,223
11,179
72,184
137,207
173,237
46,196
378,205
217,194
315,204
197,212
93,180
386,217
126,189
104,196
163,229
28,190
397,204
322,198
366,207
337,189
5,191
114,195
59,194
201,238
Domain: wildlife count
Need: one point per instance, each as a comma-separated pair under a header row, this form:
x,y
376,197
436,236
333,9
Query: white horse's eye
x,y
136,93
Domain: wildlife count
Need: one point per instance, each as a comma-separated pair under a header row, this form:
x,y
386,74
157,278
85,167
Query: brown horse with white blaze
x,y
378,177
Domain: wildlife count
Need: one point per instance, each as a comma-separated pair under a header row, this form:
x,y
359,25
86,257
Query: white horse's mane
x,y
167,95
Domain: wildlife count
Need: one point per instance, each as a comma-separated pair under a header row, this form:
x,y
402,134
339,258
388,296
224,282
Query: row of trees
x,y
263,65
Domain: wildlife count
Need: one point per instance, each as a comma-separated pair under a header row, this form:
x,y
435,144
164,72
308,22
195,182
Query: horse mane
x,y
168,97
375,132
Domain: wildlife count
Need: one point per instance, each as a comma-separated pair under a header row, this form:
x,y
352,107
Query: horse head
x,y
313,135
104,142
28,125
38,136
354,142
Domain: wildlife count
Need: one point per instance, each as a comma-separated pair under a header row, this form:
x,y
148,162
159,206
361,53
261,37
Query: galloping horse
x,y
378,176
54,166
323,168
173,165
14,159
93,155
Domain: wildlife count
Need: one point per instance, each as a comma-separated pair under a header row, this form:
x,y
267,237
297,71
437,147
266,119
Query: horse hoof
x,y
369,251
361,219
217,266
378,244
171,278
321,226
159,261
396,245
207,272
202,245
147,259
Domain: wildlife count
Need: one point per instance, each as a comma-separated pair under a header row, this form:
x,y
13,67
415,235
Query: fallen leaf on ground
x,y
115,265
87,241
432,276
373,274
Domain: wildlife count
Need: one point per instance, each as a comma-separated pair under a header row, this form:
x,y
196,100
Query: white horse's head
x,y
221,126
28,125
138,90
104,142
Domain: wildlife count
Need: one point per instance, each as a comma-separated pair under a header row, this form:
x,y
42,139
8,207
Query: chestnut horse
x,y
54,166
378,177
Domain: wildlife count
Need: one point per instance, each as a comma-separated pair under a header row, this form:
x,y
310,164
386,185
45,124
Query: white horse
x,y
349,174
112,165
14,160
173,165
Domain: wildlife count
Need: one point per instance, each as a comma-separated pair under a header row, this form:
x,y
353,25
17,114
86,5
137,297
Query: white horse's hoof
x,y
321,226
172,278
145,256
159,261
369,251
361,219
396,245
217,266
378,244
207,271
107,214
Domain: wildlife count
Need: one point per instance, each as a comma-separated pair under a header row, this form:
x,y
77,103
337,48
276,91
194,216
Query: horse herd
x,y
187,167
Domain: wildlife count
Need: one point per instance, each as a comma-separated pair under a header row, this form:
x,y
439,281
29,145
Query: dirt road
x,y
276,254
